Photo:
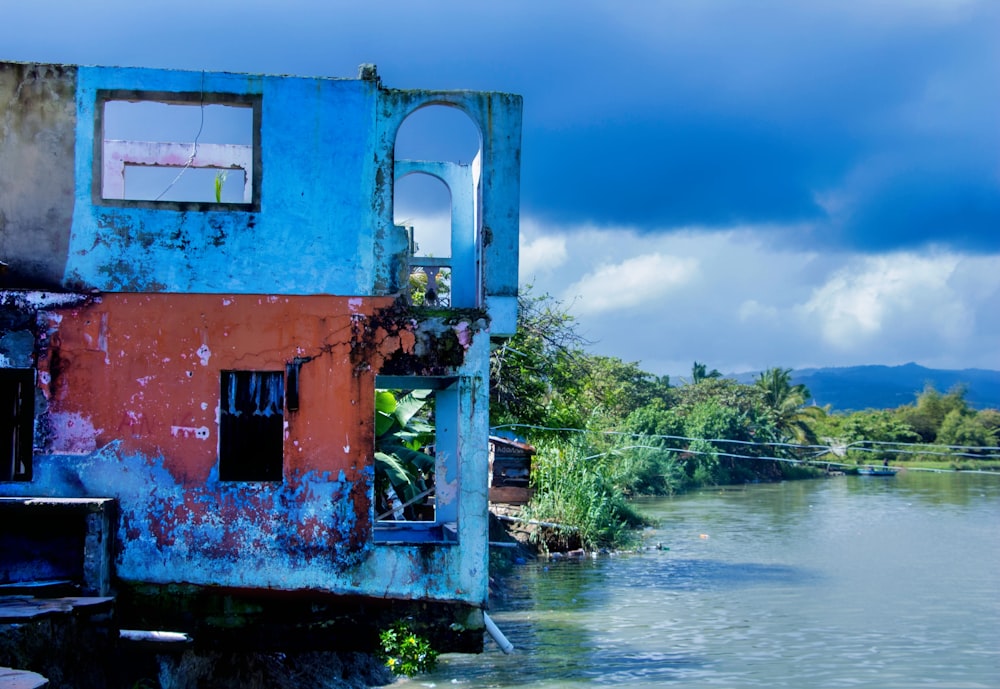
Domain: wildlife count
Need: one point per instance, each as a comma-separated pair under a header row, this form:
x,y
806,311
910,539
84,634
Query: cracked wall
x,y
129,403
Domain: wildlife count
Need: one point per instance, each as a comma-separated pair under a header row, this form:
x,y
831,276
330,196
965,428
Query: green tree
x,y
861,432
724,446
543,377
652,464
990,418
611,389
746,399
403,430
787,403
530,371
966,428
926,416
706,423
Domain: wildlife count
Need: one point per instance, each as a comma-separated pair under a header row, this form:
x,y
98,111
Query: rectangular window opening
x,y
251,426
17,423
180,148
416,454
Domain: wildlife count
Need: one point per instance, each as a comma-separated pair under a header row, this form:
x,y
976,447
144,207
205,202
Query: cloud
x,y
888,202
539,255
635,281
739,300
872,294
765,114
752,309
927,303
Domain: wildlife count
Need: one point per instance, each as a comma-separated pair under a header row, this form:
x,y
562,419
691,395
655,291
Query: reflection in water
x,y
678,573
838,582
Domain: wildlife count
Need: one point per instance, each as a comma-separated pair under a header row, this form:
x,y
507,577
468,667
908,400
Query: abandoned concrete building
x,y
194,332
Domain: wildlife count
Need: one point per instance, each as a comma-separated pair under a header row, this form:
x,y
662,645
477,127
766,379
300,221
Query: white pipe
x,y
154,636
497,635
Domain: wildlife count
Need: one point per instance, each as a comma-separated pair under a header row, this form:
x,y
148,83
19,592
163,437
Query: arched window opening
x,y
436,196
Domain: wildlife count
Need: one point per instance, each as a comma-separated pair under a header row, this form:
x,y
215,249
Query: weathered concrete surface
x,y
130,394
496,178
37,184
21,679
131,385
71,642
323,176
312,220
305,285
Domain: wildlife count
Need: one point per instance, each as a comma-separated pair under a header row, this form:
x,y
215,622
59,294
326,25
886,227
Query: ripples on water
x,y
844,582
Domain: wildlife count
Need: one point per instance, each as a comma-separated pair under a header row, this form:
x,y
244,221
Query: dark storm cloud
x,y
707,170
936,207
736,144
694,116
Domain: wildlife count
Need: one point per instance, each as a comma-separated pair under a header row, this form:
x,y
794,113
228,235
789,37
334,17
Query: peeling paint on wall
x,y
152,440
165,299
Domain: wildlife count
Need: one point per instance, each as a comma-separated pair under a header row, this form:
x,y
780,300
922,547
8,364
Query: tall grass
x,y
578,488
585,484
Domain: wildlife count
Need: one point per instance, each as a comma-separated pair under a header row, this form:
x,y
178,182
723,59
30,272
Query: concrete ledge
x,y
21,679
69,641
15,609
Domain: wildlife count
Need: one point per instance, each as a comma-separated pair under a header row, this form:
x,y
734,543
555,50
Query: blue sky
x,y
746,184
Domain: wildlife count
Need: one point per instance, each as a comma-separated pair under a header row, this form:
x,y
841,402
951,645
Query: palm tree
x,y
787,403
699,373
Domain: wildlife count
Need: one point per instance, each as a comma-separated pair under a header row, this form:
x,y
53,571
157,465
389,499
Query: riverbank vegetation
x,y
606,430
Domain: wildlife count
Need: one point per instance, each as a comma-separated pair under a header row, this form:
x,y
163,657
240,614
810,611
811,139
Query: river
x,y
839,582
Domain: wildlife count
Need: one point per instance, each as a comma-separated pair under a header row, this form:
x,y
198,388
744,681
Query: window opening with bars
x,y
251,426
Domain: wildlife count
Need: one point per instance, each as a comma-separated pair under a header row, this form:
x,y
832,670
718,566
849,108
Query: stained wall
x,y
37,183
150,302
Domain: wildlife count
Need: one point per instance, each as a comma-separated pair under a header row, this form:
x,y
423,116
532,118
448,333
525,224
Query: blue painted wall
x,y
314,232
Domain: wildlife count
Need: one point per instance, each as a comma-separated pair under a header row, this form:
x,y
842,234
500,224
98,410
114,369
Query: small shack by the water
x,y
510,470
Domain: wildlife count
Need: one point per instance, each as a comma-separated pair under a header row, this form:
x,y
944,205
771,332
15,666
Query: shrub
x,y
405,652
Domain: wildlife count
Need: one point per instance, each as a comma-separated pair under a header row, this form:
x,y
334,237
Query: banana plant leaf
x,y
400,436
385,407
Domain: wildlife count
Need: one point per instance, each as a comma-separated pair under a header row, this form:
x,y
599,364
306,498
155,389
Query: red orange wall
x,y
145,370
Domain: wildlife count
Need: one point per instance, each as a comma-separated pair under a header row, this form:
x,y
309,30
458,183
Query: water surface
x,y
841,582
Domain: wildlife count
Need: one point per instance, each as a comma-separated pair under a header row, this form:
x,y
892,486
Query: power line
x,y
966,451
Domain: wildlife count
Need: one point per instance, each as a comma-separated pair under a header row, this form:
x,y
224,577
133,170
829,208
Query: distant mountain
x,y
885,387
